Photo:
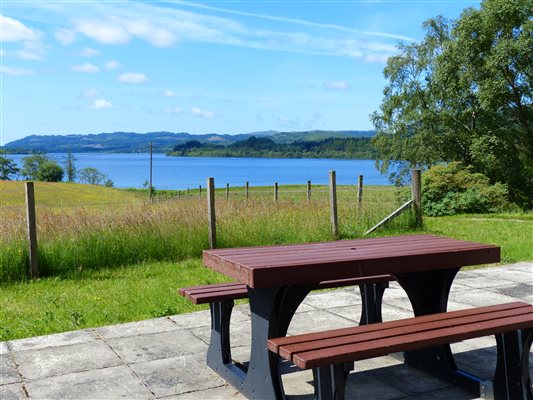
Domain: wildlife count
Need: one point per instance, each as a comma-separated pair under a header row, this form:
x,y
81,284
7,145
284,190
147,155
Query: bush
x,y
450,189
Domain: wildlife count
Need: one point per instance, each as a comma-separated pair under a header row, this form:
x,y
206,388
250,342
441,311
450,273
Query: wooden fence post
x,y
333,203
416,187
188,192
227,191
308,191
276,192
246,191
200,191
211,213
360,191
151,185
32,229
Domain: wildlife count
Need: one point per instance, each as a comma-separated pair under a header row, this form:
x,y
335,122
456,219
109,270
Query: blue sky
x,y
81,67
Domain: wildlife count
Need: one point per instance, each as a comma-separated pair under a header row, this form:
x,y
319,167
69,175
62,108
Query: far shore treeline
x,y
349,148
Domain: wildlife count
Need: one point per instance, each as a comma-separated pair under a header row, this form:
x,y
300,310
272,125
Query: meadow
x,y
112,256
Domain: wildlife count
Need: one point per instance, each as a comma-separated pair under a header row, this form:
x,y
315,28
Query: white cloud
x,y
202,113
29,51
173,110
117,30
163,26
144,29
112,64
103,31
15,31
168,93
90,93
15,71
132,77
376,58
88,52
65,36
339,86
86,68
101,104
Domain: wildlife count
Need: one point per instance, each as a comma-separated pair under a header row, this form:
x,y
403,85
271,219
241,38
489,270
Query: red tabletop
x,y
273,266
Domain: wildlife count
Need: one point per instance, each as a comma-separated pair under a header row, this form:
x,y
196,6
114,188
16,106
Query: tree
x,y
50,171
31,164
70,167
464,94
8,169
92,176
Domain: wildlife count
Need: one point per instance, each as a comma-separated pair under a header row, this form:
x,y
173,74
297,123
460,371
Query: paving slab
x,y
52,361
107,383
156,346
523,266
8,370
138,328
449,393
365,385
57,339
518,290
480,298
474,281
240,332
407,380
193,320
509,274
343,297
220,393
177,375
314,321
12,391
3,348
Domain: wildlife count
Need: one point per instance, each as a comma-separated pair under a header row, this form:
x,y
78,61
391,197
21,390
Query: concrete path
x,y
164,358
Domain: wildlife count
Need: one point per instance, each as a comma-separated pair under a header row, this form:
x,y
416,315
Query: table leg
x,y
511,379
428,292
271,312
371,297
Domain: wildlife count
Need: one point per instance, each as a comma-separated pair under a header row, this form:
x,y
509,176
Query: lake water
x,y
132,170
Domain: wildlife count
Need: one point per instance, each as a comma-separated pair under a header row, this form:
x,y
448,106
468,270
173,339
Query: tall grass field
x,y
78,230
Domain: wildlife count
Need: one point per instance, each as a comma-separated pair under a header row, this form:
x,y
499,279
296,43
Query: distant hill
x,y
131,142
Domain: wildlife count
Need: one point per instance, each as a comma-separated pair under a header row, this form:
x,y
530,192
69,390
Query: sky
x,y
228,67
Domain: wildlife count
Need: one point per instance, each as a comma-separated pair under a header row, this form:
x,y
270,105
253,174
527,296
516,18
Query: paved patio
x,y
164,358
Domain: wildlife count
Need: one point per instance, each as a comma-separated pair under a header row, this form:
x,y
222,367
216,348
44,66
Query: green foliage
x,y
39,167
453,189
8,169
70,167
464,94
50,171
93,176
31,165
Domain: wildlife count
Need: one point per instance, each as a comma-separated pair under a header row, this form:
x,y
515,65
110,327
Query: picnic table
x,y
280,277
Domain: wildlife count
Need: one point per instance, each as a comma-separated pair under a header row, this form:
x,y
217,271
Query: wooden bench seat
x,y
331,353
236,290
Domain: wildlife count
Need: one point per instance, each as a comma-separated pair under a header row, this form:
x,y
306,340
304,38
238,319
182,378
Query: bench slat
x,y
414,341
274,344
236,290
289,350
